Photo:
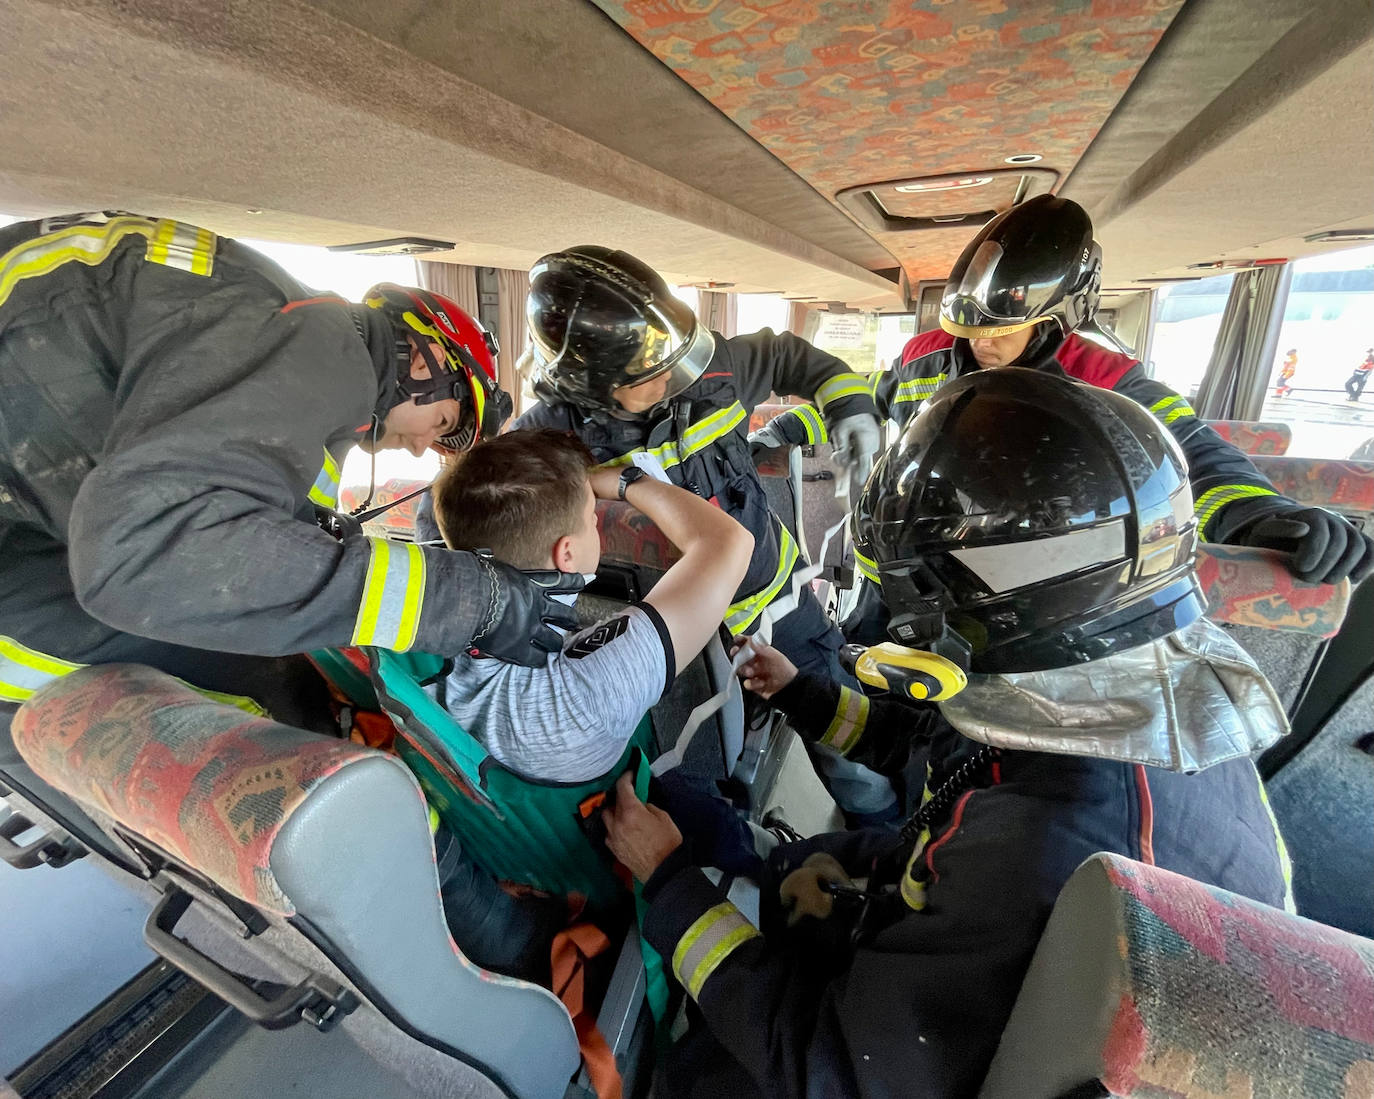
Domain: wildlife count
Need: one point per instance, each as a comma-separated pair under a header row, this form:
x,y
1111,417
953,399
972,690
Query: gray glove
x,y
766,437
856,440
522,611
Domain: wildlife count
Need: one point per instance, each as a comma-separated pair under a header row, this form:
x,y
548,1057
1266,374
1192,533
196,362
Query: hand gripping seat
x,y
318,852
1149,984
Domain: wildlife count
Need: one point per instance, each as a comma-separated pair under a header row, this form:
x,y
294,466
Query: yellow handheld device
x,y
916,673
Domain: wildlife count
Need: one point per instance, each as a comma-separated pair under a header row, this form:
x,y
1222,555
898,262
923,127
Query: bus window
x,y
760,311
1315,382
868,342
350,277
1187,318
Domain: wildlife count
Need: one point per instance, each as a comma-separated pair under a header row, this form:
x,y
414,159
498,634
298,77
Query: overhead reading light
x,y
1337,236
944,184
396,246
949,200
1023,158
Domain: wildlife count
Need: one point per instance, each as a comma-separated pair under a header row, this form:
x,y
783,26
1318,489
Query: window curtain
x,y
718,312
1238,374
456,281
801,321
512,287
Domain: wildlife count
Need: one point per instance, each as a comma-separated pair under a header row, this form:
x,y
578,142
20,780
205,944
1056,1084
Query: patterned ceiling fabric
x,y
847,93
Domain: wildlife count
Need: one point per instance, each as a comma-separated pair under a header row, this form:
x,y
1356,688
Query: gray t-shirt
x,y
570,720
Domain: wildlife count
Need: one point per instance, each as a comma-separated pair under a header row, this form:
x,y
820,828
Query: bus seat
x,y
399,522
1254,436
764,412
314,848
1345,487
1147,983
633,547
780,471
1253,587
1320,777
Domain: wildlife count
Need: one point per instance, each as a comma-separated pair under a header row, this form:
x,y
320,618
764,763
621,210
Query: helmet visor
x,y
981,302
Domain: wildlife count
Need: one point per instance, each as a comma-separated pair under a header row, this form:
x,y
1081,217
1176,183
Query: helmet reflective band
x,y
1009,565
1046,522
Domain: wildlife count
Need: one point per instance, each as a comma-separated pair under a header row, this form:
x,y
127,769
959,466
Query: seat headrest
x,y
204,781
629,537
1254,437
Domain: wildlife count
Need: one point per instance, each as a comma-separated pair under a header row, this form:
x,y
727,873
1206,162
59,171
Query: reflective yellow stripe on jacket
x,y
24,671
715,935
393,596
697,437
169,242
849,722
325,490
1214,499
915,390
1285,863
841,386
814,425
867,566
1170,409
740,616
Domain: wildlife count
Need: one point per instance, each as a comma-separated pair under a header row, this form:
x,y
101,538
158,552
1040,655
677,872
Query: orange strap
x,y
372,729
572,948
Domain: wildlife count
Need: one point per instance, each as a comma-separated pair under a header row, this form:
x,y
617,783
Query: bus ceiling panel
x,y
286,123
1302,165
566,61
894,90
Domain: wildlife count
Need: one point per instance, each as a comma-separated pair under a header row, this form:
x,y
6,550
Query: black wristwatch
x,y
627,478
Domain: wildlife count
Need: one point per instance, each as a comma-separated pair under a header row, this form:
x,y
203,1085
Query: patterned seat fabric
x,y
1227,996
399,522
204,781
629,537
1253,587
1150,985
1346,487
1254,437
764,412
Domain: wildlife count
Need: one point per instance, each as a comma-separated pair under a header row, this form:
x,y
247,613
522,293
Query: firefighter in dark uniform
x,y
176,408
1019,295
1044,531
623,364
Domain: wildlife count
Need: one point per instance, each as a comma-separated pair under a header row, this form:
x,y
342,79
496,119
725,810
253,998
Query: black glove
x,y
336,523
521,612
1325,547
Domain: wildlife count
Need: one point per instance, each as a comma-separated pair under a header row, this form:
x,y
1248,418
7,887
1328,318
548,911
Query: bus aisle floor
x,y
68,939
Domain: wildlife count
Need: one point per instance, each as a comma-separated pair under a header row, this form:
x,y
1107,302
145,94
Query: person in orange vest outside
x,y
1286,372
1354,385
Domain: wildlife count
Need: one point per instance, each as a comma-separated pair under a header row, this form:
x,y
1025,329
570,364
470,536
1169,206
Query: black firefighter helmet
x,y
600,319
1038,522
1036,262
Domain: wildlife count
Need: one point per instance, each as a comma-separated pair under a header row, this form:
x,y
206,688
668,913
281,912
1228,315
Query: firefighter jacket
x,y
917,1008
700,439
174,406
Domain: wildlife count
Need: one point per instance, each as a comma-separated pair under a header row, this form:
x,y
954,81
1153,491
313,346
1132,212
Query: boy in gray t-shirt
x,y
530,498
